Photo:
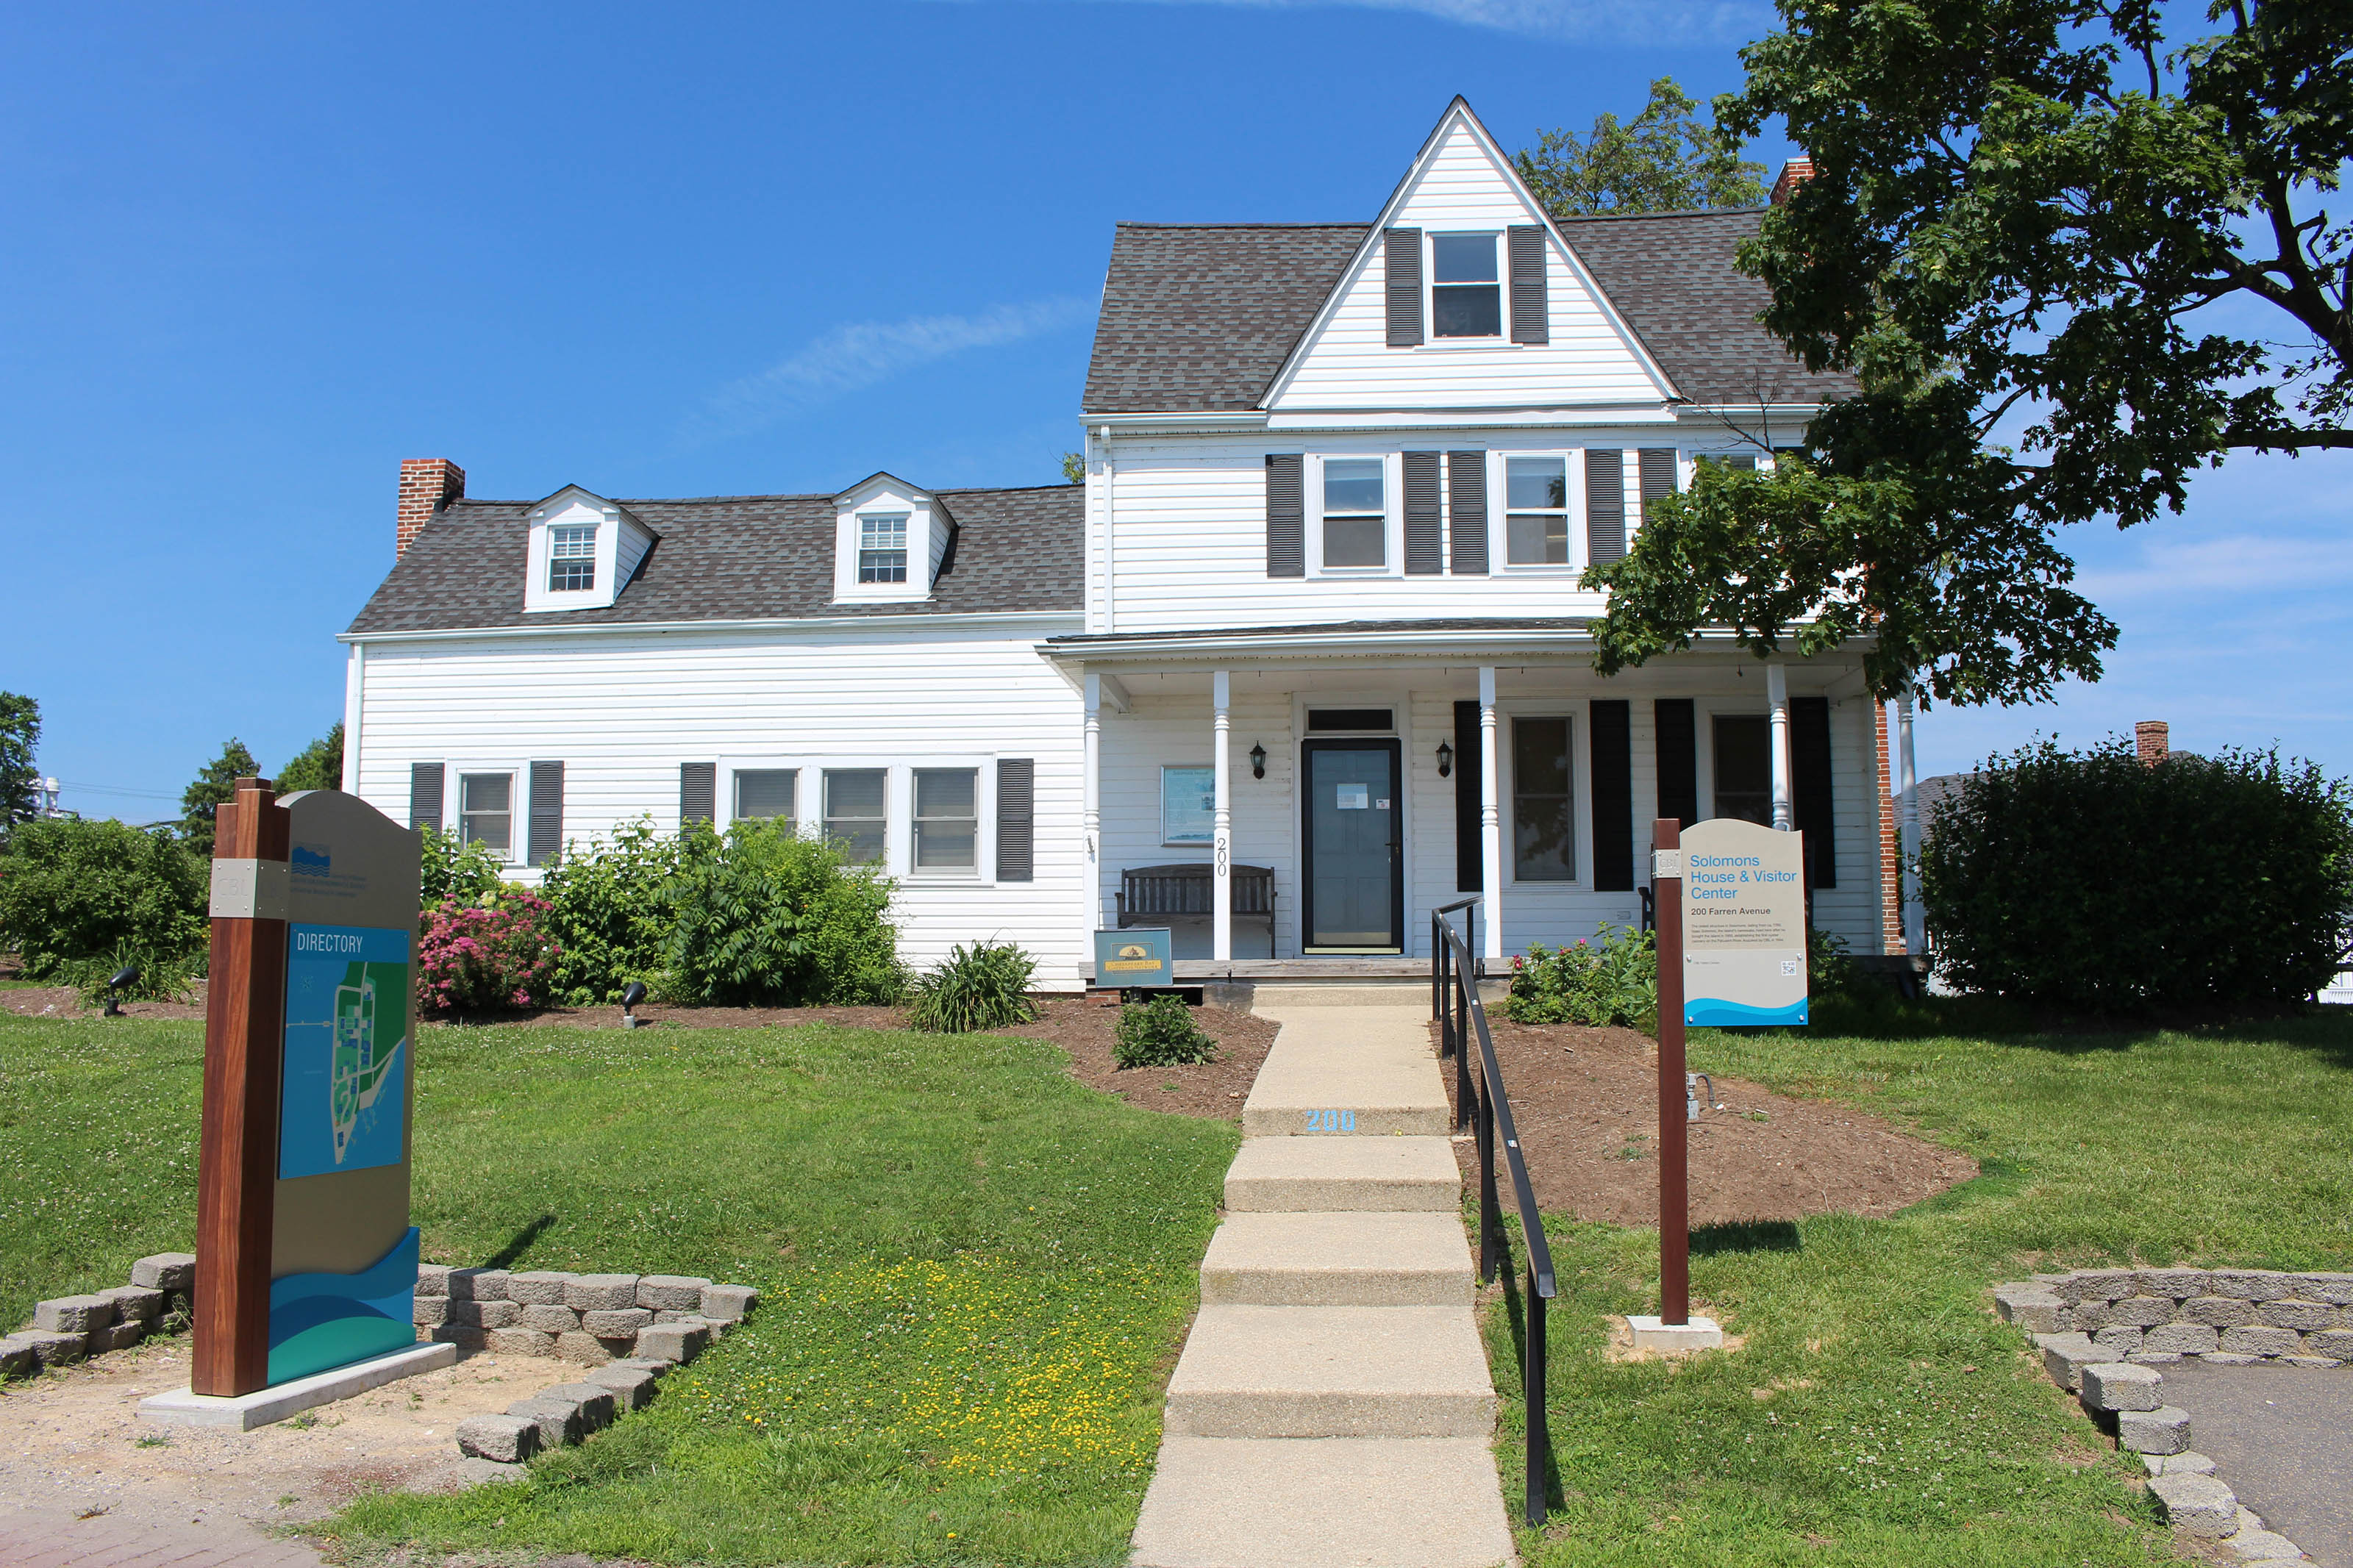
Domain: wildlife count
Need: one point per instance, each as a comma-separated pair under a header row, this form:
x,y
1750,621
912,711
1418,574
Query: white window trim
x,y
898,804
907,568
1580,777
1499,511
984,821
722,809
924,545
1392,517
538,597
1430,285
453,806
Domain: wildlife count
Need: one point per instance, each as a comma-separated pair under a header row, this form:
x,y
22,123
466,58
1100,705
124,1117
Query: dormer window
x,y
882,548
1466,290
571,559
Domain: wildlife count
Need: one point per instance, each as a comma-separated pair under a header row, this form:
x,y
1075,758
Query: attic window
x,y
1466,291
572,558
883,549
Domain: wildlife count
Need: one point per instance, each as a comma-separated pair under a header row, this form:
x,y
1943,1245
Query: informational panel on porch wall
x,y
344,1256
1744,924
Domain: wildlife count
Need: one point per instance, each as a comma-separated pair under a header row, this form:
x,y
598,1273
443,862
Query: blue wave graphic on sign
x,y
1713,1012
323,1320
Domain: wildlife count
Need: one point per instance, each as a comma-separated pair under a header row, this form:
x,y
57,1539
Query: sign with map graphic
x,y
1744,926
343,1105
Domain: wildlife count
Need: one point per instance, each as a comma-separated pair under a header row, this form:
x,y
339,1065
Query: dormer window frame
x,y
860,557
617,542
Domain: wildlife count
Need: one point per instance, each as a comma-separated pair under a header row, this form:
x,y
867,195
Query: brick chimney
x,y
2149,738
427,484
1794,173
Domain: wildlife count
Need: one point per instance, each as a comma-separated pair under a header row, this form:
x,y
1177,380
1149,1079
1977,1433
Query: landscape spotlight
x,y
126,975
631,995
1258,762
1445,760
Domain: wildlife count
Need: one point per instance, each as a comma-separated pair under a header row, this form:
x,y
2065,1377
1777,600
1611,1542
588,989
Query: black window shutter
x,y
1604,503
1017,819
1470,845
1531,317
424,785
1401,268
1809,785
1425,554
1678,759
1286,516
1658,475
698,792
546,812
1613,797
1466,511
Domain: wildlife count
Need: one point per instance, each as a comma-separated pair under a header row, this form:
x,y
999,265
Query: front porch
x,y
1346,793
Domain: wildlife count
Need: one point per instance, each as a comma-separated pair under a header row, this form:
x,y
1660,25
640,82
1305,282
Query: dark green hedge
x,y
2090,880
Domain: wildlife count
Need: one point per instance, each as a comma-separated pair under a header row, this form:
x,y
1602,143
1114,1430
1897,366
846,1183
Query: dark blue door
x,y
1356,860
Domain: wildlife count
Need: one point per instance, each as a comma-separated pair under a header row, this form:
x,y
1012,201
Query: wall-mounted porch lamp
x,y
1445,760
1258,762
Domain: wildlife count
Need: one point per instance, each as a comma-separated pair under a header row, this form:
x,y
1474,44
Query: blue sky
x,y
255,256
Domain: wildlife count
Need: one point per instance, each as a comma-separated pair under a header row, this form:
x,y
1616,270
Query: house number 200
x,y
1331,1121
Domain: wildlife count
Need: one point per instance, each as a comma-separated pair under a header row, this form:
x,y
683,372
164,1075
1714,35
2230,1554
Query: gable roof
x,y
727,558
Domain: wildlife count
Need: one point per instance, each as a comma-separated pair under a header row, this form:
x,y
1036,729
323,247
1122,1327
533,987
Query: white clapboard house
x,y
1303,658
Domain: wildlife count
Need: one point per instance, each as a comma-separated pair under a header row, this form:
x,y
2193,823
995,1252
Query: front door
x,y
1356,850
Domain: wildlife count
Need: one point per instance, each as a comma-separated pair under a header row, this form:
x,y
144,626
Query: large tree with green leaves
x,y
319,765
2072,257
1666,159
211,790
20,737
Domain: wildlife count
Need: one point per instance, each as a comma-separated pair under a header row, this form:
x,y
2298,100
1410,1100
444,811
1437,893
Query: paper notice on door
x,y
1382,804
1355,797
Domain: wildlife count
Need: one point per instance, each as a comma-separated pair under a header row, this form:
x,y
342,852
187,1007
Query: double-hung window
x,y
1544,825
571,558
1535,515
1466,291
855,811
766,792
486,811
1356,517
882,548
947,819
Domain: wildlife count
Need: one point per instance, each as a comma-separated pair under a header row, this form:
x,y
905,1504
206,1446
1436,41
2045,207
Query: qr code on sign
x,y
1788,967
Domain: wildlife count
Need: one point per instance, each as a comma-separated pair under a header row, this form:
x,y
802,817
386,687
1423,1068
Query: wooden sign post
x,y
1675,1165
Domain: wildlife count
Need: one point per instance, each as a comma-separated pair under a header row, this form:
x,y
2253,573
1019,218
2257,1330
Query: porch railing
x,y
1481,1102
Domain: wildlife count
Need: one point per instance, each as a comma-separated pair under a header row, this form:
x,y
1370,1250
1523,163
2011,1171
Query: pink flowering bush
x,y
491,960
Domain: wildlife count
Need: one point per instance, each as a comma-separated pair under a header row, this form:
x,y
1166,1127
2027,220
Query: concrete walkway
x,y
2282,1438
1332,1406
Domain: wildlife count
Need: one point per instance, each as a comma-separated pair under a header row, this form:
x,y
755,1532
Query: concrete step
x,y
1343,1072
1338,1260
1322,1503
1332,1175
1332,1372
1274,996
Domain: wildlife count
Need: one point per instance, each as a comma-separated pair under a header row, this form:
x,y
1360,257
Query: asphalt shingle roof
x,y
1198,318
736,558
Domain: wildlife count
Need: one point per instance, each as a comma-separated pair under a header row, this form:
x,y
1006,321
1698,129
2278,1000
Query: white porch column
x,y
1092,817
1490,818
1221,822
1776,693
1915,933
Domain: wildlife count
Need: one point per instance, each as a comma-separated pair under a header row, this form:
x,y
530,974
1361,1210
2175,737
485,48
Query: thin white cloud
x,y
1655,21
2225,563
860,354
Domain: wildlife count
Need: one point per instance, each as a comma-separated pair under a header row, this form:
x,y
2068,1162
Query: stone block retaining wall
x,y
2156,1315
71,1328
590,1319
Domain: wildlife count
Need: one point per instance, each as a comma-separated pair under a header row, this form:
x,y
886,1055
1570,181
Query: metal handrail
x,y
1454,1003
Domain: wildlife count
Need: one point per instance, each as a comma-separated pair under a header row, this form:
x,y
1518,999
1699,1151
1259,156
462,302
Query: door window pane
x,y
1355,517
1536,523
1466,298
854,812
1543,827
947,819
486,810
1188,803
1743,769
766,792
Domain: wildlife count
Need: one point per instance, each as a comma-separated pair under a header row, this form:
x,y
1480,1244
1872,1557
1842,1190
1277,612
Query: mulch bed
x,y
1587,1100
65,1002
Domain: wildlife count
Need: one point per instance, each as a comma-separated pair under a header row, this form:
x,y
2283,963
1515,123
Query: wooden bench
x,y
1150,894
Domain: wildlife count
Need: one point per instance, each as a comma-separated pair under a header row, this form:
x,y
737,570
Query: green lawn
x,y
1878,1413
977,1271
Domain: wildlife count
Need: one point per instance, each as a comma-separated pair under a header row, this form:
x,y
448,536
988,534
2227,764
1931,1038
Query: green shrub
x,y
1160,1033
611,904
769,918
81,898
2089,880
983,987
1610,978
469,873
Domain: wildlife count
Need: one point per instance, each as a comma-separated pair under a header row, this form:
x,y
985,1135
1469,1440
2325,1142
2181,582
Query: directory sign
x,y
1744,927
